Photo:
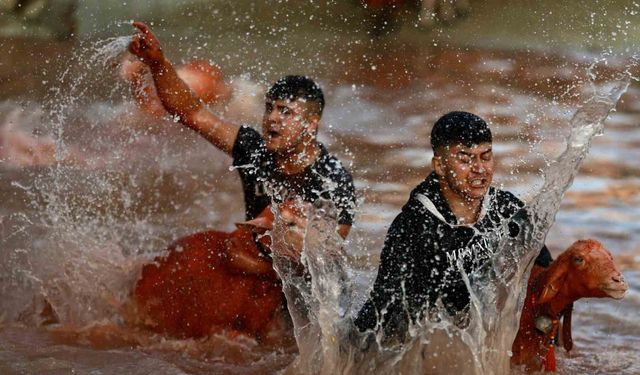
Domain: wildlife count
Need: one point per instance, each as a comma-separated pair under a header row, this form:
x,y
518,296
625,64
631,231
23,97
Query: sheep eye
x,y
578,260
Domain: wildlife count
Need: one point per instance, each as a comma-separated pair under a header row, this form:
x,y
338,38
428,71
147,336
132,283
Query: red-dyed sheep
x,y
209,282
584,270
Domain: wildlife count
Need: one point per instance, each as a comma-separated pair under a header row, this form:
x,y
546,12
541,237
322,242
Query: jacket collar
x,y
432,199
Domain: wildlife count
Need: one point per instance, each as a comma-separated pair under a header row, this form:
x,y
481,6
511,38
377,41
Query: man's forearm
x,y
178,100
175,95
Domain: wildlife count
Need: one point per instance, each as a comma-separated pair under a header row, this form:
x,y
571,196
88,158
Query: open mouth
x,y
478,183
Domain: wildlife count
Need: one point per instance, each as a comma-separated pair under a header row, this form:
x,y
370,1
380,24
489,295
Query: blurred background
x,y
91,187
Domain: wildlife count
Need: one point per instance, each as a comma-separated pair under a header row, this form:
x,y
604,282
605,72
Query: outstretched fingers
x,y
142,27
145,37
144,44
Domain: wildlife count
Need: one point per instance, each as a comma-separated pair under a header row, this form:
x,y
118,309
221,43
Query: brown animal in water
x,y
210,282
215,281
584,270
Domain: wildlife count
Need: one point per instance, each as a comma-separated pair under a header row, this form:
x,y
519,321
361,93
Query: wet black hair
x,y
297,87
459,128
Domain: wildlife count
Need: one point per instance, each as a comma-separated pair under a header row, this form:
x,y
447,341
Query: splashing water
x,y
75,263
78,246
498,289
328,341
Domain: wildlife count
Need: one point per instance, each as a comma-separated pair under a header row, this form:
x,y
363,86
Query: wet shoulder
x,y
331,167
506,203
422,188
414,218
414,207
249,146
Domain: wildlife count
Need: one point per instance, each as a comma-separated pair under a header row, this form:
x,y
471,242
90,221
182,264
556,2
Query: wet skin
x,y
465,175
289,130
289,127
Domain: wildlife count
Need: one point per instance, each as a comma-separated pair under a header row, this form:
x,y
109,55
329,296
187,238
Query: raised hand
x,y
145,45
176,96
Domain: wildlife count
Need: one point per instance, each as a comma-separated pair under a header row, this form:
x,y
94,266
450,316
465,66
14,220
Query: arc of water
x,y
497,290
496,309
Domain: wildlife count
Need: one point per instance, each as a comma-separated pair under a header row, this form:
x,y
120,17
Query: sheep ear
x,y
553,282
567,340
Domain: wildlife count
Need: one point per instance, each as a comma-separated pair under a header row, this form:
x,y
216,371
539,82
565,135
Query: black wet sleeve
x,y
248,143
386,303
344,197
367,318
544,258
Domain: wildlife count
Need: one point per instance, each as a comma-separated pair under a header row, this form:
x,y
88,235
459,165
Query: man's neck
x,y
466,211
299,158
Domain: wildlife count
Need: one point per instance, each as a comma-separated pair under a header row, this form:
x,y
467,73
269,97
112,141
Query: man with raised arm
x,y
445,224
238,99
285,161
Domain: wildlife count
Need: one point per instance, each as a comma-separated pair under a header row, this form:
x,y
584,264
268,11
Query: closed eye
x,y
464,158
284,110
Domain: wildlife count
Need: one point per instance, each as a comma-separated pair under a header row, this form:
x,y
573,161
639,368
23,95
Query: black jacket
x,y
423,245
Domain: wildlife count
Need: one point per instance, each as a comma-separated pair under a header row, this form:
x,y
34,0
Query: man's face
x,y
288,124
467,171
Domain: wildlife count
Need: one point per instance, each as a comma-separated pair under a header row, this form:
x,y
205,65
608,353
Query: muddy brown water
x,y
79,230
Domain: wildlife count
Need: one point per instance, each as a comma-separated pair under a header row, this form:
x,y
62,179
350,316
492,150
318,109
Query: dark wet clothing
x,y
262,183
419,260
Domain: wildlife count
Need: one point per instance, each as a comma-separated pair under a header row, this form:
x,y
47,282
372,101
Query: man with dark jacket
x,y
444,224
